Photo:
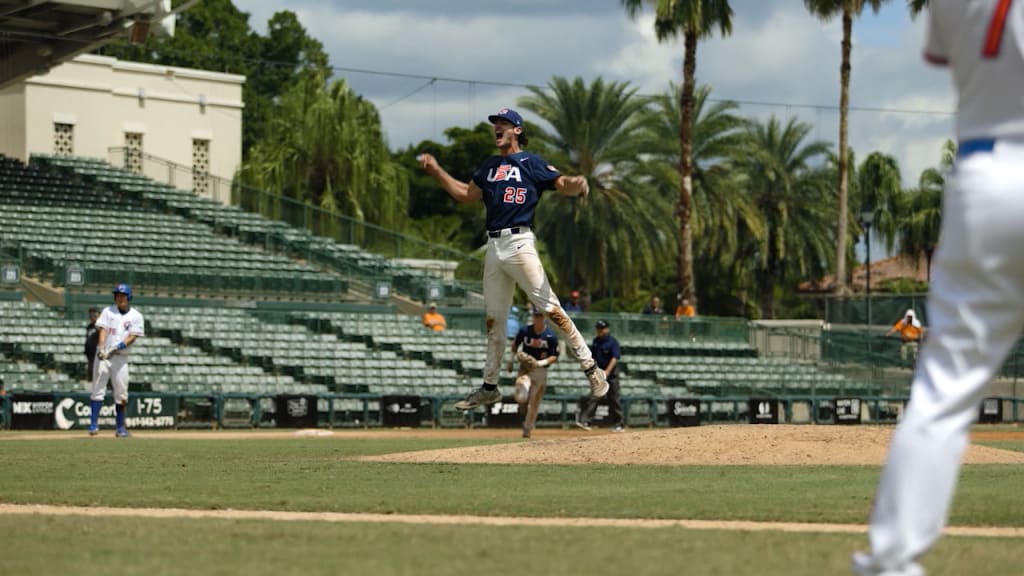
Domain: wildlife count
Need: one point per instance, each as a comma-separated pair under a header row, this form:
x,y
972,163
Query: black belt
x,y
511,231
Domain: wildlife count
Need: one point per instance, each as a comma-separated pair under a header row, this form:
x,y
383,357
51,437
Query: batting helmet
x,y
123,289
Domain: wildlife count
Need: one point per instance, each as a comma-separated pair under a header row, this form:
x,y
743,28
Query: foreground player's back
x,y
983,42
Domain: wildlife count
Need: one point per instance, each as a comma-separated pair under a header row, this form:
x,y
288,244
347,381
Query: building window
x,y
201,166
63,139
133,152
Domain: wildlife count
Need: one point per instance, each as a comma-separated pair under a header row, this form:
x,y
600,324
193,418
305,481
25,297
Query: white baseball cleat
x,y
478,397
598,381
863,565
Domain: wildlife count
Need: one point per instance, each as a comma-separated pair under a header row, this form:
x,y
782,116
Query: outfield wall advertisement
x,y
71,412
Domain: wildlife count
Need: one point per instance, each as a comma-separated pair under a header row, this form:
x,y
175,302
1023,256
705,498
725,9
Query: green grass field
x,y
318,475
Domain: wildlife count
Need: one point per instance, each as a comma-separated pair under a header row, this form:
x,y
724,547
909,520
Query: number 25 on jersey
x,y
515,195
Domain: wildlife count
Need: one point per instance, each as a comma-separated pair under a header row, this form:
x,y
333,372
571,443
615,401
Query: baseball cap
x,y
601,324
509,115
433,304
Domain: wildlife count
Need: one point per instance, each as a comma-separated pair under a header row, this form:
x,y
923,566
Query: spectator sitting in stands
x,y
574,304
654,307
685,309
433,319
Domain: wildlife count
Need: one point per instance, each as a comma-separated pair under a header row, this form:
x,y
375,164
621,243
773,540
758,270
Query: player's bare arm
x,y
462,192
572,186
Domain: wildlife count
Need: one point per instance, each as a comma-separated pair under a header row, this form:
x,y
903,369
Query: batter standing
x,y
539,350
510,185
120,325
974,304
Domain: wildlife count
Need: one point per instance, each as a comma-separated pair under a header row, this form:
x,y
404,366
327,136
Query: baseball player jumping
x,y
539,350
120,326
510,185
974,303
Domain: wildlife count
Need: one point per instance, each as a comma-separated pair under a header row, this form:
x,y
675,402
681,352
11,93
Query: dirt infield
x,y
702,446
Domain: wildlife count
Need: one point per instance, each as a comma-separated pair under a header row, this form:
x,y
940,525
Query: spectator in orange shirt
x,y
911,331
685,309
433,319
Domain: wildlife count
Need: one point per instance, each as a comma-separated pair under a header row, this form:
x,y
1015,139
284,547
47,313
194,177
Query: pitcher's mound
x,y
783,445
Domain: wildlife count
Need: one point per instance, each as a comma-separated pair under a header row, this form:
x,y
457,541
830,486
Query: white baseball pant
x,y
511,260
115,370
538,381
975,317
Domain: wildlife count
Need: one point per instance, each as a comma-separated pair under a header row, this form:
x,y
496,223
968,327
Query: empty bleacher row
x,y
55,222
323,360
231,350
207,350
248,227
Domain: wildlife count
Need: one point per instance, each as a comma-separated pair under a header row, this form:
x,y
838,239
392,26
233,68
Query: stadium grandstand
x,y
254,320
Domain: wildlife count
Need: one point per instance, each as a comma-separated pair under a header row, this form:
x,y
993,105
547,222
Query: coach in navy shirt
x,y
605,349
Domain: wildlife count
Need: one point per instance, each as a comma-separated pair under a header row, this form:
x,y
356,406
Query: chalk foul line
x,y
469,520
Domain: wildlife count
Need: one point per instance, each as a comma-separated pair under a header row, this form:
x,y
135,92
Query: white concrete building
x,y
174,124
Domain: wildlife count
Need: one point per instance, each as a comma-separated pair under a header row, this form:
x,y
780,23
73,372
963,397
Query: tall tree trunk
x,y
687,284
844,106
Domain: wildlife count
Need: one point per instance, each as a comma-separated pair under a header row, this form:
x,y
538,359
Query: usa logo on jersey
x,y
504,173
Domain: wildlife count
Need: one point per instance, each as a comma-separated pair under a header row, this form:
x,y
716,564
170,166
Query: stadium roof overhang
x,y
36,35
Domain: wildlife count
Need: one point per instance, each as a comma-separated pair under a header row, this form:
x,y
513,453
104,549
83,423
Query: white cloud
x,y
778,53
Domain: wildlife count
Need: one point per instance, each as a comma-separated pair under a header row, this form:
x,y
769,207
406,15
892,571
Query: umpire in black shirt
x,y
92,338
605,349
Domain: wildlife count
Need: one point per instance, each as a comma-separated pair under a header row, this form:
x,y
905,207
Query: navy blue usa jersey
x,y
604,349
512,186
540,346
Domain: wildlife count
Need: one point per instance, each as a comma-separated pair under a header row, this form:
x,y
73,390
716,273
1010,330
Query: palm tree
x,y
724,216
327,148
789,183
693,19
917,6
619,235
848,9
880,189
921,221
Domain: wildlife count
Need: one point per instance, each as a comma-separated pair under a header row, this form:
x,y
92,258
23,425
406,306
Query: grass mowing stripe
x,y
164,547
319,475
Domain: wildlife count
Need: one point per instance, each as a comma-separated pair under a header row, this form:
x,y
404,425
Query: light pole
x,y
867,216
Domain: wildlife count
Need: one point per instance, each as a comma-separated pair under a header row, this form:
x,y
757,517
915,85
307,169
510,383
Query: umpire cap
x,y
601,324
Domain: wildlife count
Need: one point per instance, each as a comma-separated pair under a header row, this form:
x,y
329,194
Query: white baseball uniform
x,y
115,369
974,307
511,188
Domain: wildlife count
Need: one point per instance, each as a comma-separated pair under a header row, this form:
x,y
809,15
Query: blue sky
x,y
778,61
